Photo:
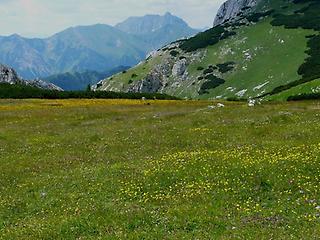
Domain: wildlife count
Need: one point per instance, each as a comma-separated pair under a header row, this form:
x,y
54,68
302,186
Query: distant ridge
x,y
97,47
9,76
74,81
157,30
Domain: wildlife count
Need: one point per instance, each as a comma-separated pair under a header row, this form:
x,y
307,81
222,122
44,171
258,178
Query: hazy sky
x,y
40,18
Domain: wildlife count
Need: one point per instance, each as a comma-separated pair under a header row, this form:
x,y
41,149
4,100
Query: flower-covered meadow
x,y
120,169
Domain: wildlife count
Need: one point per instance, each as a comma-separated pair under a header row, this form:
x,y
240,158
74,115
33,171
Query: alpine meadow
x,y
153,129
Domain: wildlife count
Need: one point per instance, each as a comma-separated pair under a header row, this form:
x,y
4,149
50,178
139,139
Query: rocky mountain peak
x,y
149,23
231,9
9,75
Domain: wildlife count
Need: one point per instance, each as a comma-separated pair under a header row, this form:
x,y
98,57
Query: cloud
x,y
45,17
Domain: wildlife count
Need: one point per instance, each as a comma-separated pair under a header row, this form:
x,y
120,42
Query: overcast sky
x,y
41,18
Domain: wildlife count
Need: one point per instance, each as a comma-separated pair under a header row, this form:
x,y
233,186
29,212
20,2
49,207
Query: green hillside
x,y
270,52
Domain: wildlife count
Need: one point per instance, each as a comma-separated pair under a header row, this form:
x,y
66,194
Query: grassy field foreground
x,y
111,169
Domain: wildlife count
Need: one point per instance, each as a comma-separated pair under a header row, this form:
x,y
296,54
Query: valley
x,y
152,129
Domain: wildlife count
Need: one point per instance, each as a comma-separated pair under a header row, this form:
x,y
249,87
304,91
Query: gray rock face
x,y
155,81
231,8
151,84
9,75
179,68
44,85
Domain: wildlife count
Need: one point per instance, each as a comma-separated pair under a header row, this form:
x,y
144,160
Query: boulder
x,y
179,68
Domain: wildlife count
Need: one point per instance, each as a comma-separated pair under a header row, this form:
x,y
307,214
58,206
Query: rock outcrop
x,y
151,84
155,81
232,8
179,68
9,75
43,85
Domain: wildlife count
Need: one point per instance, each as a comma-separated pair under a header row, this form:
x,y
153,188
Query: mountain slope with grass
x,y
264,49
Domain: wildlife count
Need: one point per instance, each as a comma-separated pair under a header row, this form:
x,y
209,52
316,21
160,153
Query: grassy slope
x,y
170,170
120,82
310,87
272,61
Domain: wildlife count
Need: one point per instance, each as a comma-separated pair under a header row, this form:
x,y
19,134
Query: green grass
x,y
305,88
271,62
122,81
268,55
120,169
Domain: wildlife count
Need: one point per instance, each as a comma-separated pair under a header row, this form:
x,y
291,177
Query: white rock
x,y
260,86
241,93
252,103
220,105
179,68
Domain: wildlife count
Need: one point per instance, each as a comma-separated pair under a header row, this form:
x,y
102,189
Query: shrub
x,y
22,91
311,96
226,67
200,68
207,38
207,71
235,99
310,69
308,18
213,82
255,17
174,53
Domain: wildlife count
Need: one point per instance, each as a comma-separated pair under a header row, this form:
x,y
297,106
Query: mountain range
x,y
74,81
156,30
255,49
97,47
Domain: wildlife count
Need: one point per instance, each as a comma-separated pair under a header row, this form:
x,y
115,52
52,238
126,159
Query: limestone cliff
x,y
232,8
9,75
